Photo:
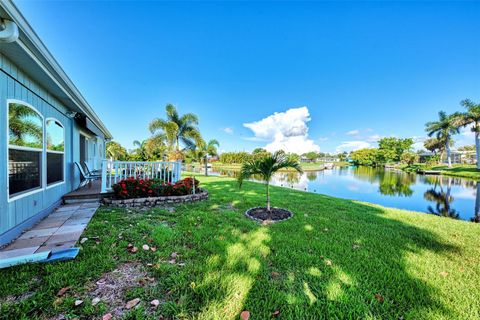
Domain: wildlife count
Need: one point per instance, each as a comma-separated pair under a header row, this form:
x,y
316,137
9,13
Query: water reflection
x,y
452,197
476,216
442,198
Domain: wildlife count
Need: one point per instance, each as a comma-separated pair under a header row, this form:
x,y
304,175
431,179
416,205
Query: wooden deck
x,y
89,193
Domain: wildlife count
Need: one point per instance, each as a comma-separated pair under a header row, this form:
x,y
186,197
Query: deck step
x,y
85,198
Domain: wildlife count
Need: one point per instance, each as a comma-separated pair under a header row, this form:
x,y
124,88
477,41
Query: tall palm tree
x,y
177,129
443,129
205,149
471,117
266,167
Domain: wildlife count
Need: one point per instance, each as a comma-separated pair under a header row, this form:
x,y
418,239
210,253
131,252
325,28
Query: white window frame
x,y
42,152
55,184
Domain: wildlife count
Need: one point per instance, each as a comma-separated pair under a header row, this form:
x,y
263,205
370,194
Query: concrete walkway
x,y
58,231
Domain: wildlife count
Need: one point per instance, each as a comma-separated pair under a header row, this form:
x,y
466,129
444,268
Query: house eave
x,y
42,65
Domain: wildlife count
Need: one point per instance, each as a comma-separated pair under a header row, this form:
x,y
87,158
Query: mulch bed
x,y
261,214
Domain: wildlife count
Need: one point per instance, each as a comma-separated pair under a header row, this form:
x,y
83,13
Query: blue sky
x,y
362,70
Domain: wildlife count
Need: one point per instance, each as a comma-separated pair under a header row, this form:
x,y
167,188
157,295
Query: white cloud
x,y
353,133
418,143
228,130
467,131
256,139
374,138
321,139
286,131
352,146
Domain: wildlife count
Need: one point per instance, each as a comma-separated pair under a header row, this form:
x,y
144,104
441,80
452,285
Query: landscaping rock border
x,y
200,195
247,213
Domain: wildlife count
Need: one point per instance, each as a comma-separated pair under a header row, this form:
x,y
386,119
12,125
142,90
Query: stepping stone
x,y
26,243
56,246
18,252
51,223
64,237
69,229
76,221
35,233
67,207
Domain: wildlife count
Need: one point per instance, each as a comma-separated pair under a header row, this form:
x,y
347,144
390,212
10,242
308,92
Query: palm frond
x,y
157,124
267,166
189,118
188,143
172,112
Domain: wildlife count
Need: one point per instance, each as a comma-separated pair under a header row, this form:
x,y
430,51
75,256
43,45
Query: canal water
x,y
439,195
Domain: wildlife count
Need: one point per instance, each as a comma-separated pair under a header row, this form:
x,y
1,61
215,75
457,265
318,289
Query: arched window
x,y
55,151
25,147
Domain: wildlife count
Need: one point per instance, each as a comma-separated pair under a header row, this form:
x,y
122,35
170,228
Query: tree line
x,y
176,137
390,150
447,126
239,157
441,131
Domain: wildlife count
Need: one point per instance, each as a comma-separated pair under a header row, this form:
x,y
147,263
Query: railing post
x,y
104,175
179,170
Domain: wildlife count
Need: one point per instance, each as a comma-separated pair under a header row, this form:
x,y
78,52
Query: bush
x,y
142,188
432,160
409,158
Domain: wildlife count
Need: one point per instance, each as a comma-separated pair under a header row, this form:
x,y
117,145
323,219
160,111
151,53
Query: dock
x,y
429,172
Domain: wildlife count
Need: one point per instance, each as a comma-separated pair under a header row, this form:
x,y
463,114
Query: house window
x,y
55,151
25,146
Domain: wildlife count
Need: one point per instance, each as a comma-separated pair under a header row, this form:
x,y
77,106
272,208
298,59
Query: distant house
x,y
319,159
307,160
458,157
46,125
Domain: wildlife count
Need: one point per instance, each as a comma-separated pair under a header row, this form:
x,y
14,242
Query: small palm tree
x,y
177,129
116,151
266,167
205,149
155,147
139,150
471,117
443,129
436,146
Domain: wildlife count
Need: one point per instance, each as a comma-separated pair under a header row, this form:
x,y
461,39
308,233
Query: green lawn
x,y
457,170
334,259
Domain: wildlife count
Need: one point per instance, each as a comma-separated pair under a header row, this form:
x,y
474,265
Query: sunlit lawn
x,y
457,170
334,259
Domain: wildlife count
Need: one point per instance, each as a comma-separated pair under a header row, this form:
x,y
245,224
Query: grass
x,y
334,259
457,170
306,166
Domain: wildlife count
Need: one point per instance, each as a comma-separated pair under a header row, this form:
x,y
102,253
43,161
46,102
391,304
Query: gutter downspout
x,y
8,31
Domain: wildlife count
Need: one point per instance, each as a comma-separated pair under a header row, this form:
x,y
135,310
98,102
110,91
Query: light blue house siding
x,y
19,214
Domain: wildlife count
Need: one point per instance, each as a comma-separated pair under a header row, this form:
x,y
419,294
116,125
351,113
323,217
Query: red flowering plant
x,y
133,188
185,186
142,188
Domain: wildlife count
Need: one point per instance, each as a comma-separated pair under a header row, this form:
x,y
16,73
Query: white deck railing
x,y
114,171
